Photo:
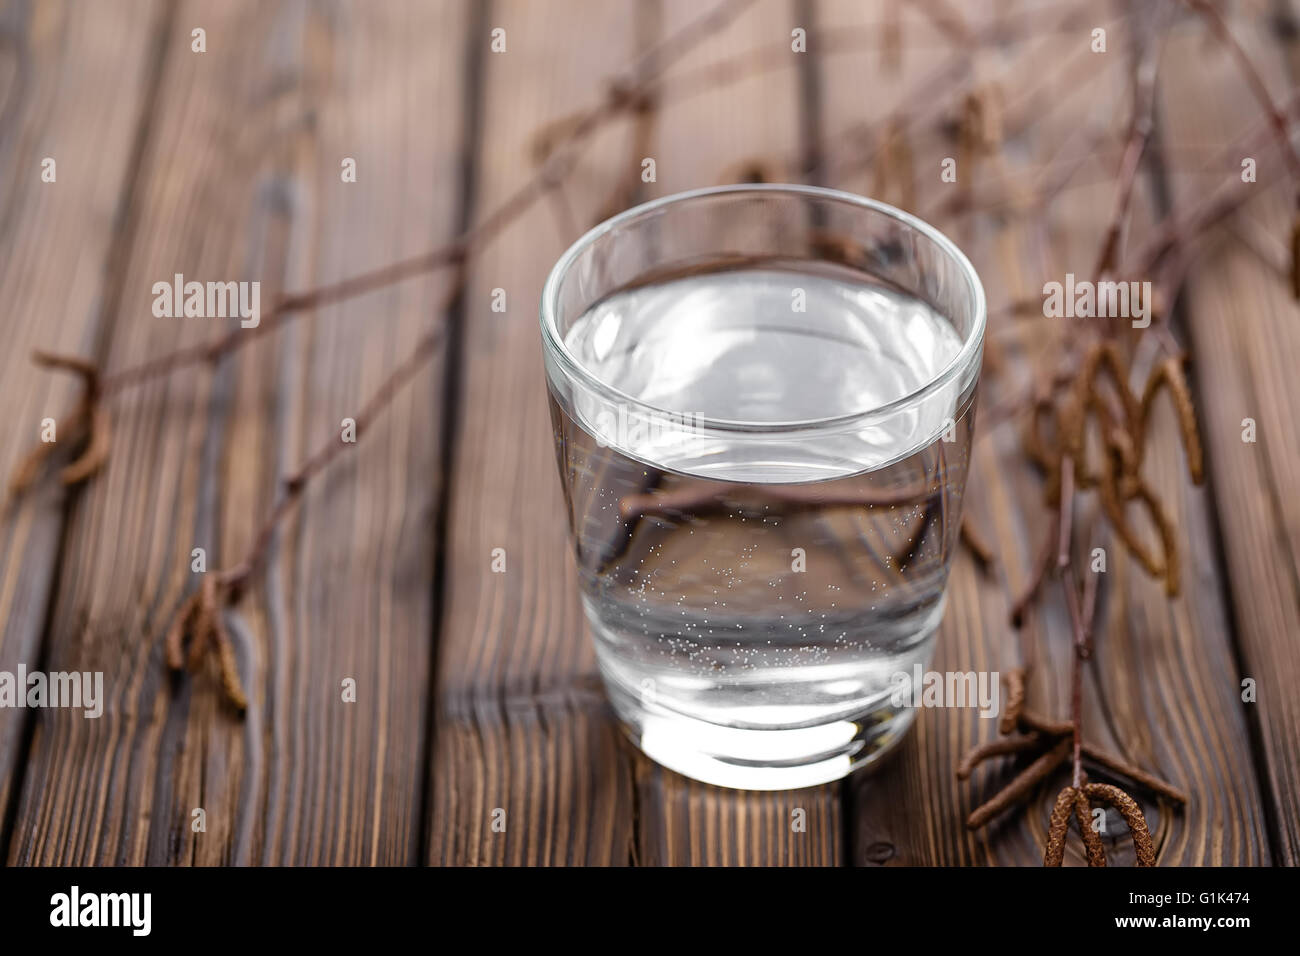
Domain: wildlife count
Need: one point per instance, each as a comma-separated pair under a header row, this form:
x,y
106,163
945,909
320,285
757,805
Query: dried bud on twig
x,y
1169,373
200,618
1132,813
1123,431
998,746
1072,802
1020,787
88,423
1058,826
1015,679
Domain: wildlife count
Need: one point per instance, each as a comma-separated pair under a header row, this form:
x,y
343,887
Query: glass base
x,y
748,759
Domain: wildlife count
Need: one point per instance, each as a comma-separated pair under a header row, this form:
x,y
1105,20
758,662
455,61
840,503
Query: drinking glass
x,y
762,399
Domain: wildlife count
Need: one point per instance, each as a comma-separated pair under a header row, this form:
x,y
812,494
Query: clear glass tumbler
x,y
762,398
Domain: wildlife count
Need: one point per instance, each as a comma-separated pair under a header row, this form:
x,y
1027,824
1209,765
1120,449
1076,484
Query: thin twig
x,y
1140,128
1276,115
997,747
1020,787
625,93
236,577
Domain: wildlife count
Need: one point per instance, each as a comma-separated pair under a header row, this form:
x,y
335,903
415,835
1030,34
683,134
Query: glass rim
x,y
575,369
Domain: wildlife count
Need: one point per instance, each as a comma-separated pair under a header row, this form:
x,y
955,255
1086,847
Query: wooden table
x,y
476,697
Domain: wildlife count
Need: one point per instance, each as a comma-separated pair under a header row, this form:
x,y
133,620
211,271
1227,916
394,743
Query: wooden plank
x,y
742,129
490,640
242,181
687,823
523,738
902,812
1245,330
77,79
1159,663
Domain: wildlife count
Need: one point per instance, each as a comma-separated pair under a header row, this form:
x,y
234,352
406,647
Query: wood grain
x,y
1156,693
481,734
74,84
242,180
511,754
523,739
1245,331
744,129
